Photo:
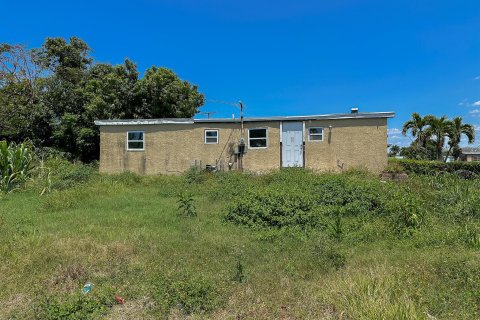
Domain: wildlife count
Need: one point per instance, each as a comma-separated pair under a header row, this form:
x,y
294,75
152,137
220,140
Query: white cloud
x,y
474,113
468,104
395,137
394,131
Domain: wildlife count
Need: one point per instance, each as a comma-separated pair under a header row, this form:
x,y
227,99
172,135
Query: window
x,y
211,136
315,134
257,138
135,140
475,157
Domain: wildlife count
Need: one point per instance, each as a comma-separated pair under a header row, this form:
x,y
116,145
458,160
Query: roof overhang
x,y
141,122
337,116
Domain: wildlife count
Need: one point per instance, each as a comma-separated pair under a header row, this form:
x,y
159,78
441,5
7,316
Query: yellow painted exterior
x,y
174,148
471,157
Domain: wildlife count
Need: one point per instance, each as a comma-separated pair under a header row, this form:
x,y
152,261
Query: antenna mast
x,y
240,103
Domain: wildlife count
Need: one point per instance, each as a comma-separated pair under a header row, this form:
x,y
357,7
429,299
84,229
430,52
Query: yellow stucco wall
x,y
350,143
471,158
173,148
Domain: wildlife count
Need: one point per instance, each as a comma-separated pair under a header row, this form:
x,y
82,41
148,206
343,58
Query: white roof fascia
x,y
140,122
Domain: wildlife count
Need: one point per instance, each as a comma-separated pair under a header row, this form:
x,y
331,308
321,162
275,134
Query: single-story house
x,y
470,154
330,142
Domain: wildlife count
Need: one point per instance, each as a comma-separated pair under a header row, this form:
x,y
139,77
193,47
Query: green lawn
x,y
126,235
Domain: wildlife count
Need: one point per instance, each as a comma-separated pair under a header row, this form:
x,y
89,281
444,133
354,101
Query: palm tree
x,y
457,128
417,125
394,150
438,128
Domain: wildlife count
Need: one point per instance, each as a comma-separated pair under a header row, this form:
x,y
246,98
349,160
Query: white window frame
x,y
266,138
316,134
142,141
205,136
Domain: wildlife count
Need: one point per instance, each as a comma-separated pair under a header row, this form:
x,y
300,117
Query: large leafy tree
x,y
163,94
455,132
22,113
53,94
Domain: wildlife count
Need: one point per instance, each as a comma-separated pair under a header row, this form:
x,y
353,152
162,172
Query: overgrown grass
x,y
290,244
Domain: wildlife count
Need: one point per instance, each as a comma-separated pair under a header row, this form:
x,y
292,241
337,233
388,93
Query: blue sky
x,y
284,57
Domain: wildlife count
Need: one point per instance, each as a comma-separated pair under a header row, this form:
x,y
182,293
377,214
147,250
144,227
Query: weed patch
x,y
187,292
76,306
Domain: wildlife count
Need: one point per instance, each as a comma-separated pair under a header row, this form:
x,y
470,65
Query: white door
x,y
292,144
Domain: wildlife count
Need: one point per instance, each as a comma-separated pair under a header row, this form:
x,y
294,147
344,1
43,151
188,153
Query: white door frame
x,y
301,145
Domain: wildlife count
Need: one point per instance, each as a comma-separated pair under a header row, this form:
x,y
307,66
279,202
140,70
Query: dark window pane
x,y
211,133
316,130
211,140
135,135
258,133
316,137
135,145
258,143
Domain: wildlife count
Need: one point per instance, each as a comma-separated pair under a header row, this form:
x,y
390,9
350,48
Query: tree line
x,y
51,95
431,134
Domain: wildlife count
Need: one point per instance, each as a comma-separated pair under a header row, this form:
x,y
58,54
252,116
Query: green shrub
x,y
77,306
190,293
405,209
186,205
360,195
425,167
394,167
65,175
274,207
228,185
336,227
295,198
196,175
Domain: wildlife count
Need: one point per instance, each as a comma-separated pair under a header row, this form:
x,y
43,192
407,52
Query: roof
x,y
360,115
470,150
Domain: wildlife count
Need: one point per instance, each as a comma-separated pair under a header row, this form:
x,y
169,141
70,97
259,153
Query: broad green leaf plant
x,y
16,165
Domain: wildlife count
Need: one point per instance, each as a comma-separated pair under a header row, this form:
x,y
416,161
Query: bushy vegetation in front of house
x,y
427,167
288,244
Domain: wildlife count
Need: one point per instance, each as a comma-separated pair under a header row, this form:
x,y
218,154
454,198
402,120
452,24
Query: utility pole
x,y
241,145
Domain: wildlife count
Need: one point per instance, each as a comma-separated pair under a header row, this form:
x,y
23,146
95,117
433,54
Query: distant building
x,y
470,154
